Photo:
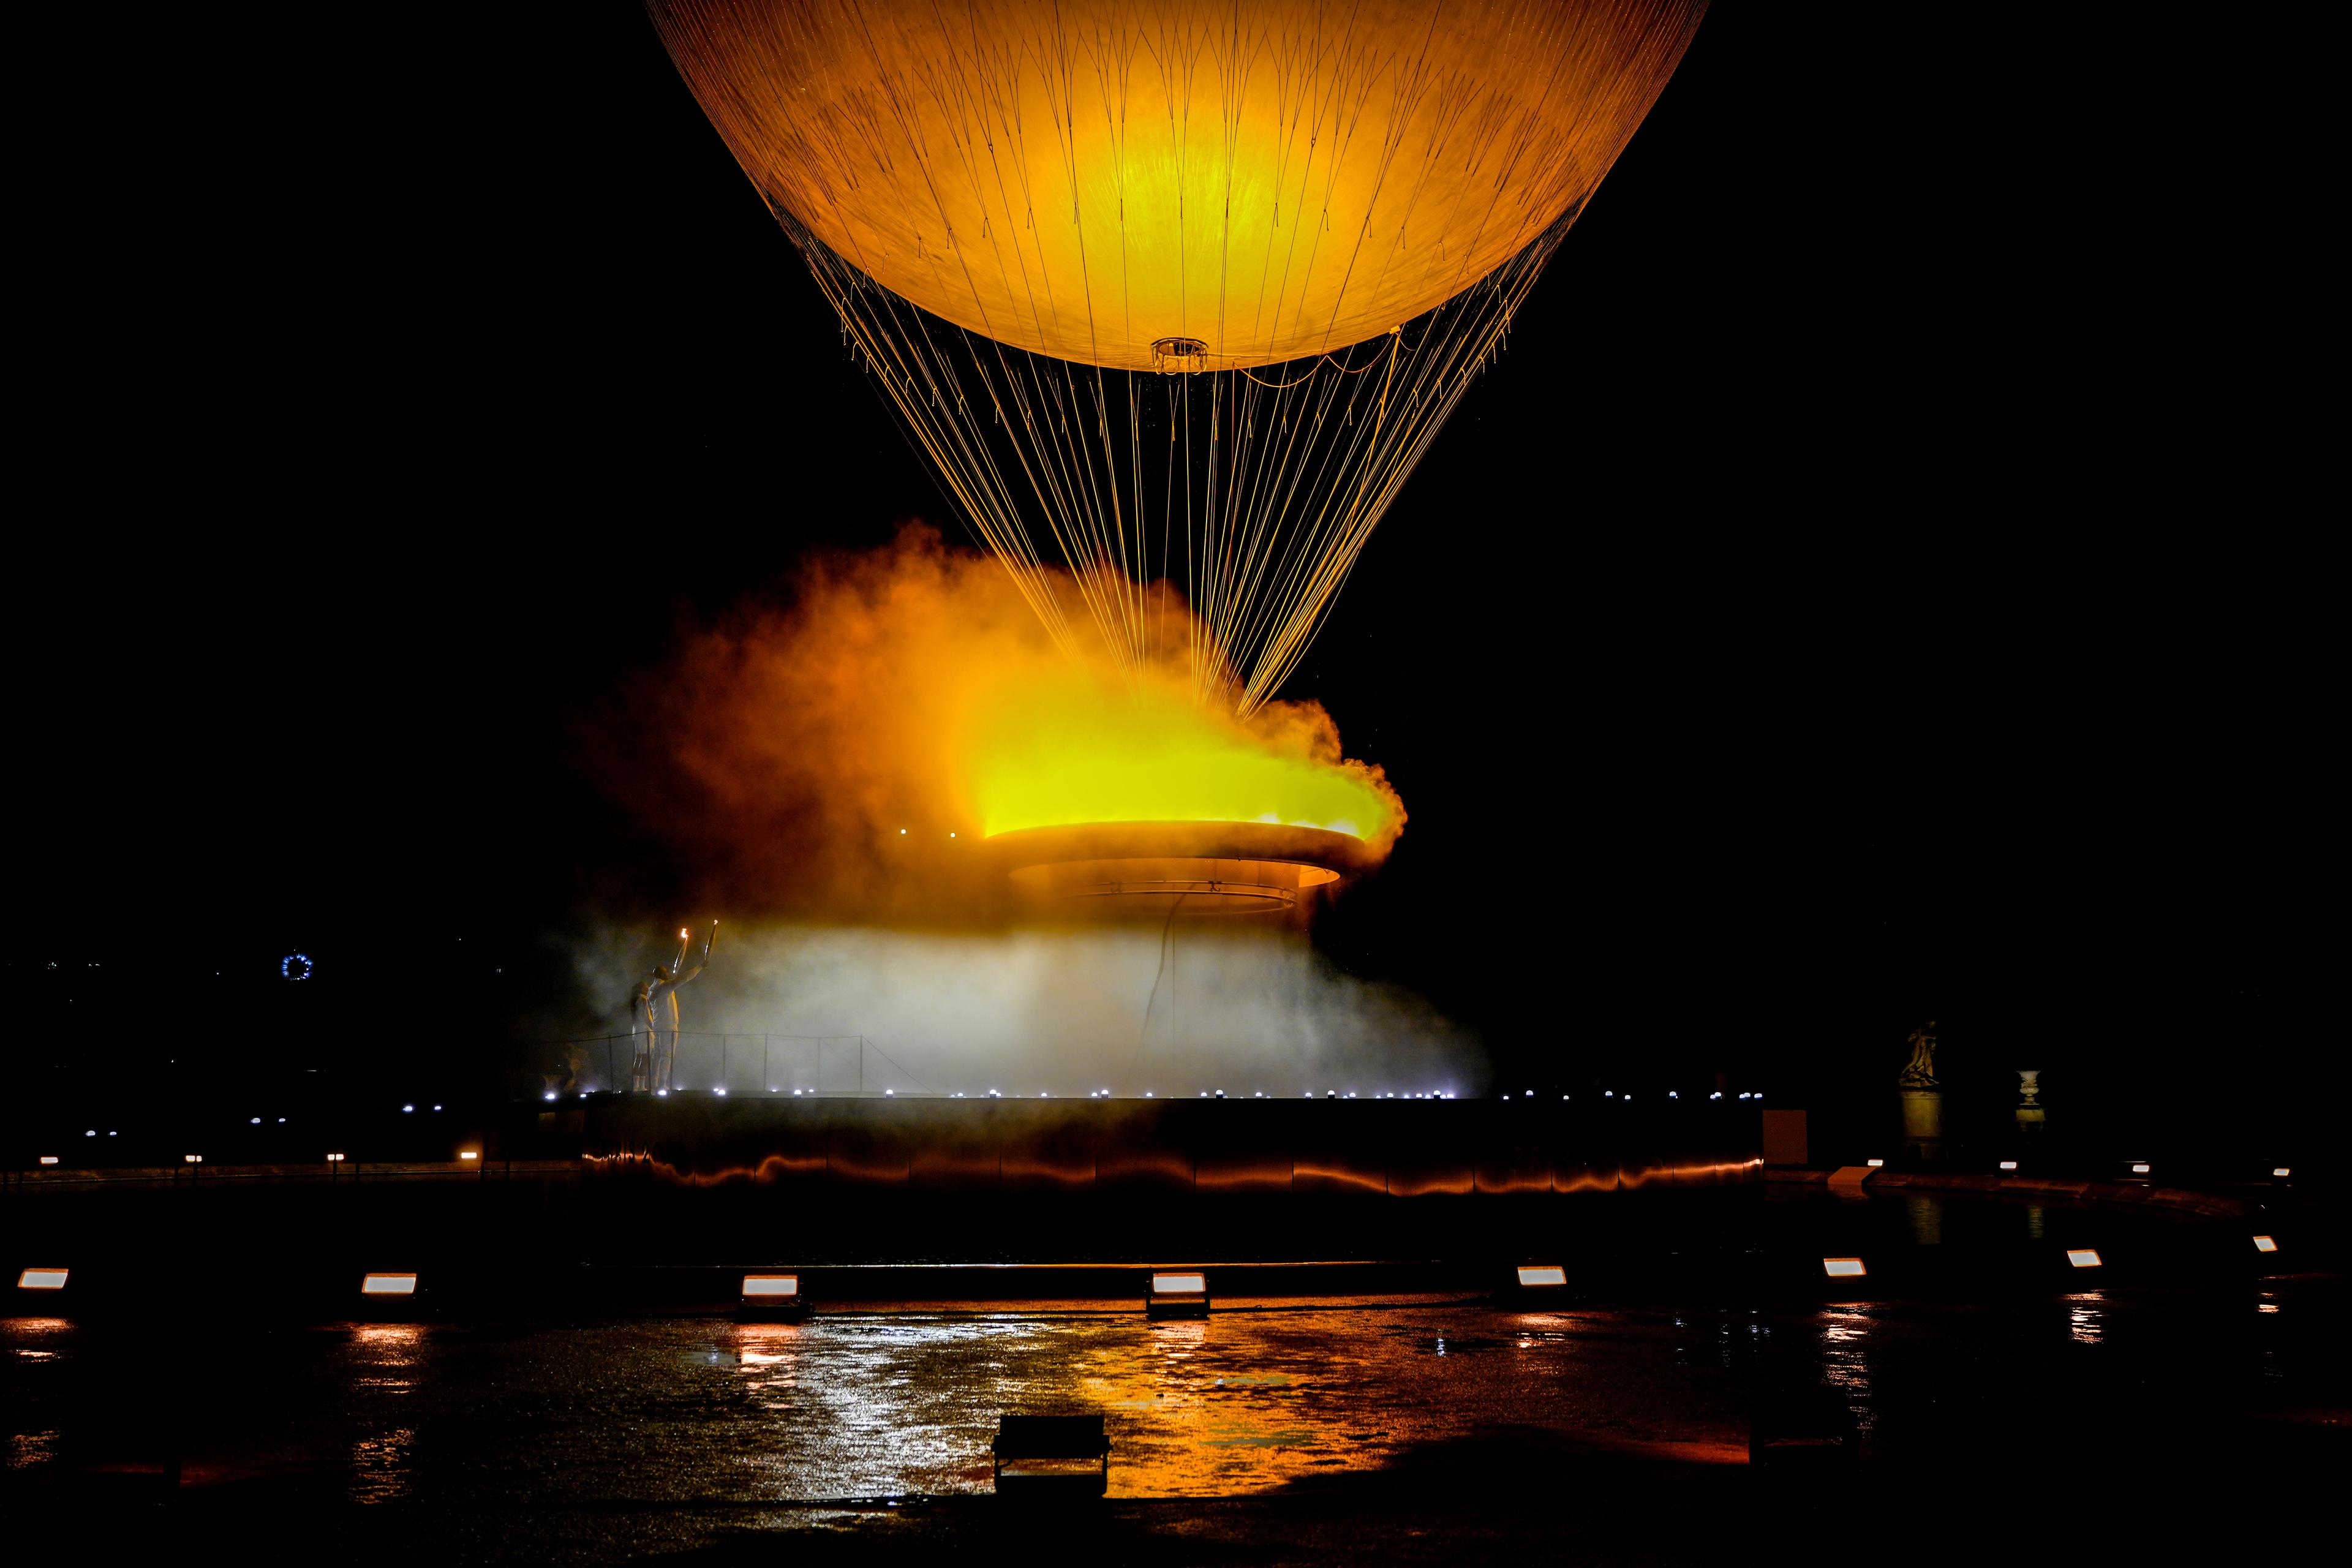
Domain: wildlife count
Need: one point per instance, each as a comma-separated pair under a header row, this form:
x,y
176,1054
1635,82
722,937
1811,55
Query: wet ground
x,y
596,1441
2169,1417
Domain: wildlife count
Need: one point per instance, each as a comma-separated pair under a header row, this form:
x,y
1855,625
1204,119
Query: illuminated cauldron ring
x,y
1200,867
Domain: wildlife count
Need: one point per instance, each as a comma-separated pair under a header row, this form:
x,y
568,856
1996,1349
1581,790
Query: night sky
x,y
1868,590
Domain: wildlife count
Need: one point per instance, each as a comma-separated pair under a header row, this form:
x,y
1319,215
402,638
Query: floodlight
x,y
2265,1243
2281,1172
1181,1293
2140,1169
1874,1164
41,1279
334,1159
194,1159
388,1285
2084,1256
1533,1274
49,1158
1844,1268
774,1298
2009,1164
469,1153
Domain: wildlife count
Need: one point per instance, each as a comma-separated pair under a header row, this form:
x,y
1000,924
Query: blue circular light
x,y
295,966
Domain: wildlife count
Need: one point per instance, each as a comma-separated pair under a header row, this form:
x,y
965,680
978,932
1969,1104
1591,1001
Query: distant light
x,y
41,1279
1873,1164
771,1285
256,1121
902,833
1743,1094
720,1092
1716,1095
2279,1171
659,1094
2140,1169
408,1108
93,1133
334,1159
2009,1164
2084,1256
1147,1094
1530,1094
1672,1095
281,1121
2265,1243
49,1158
1842,1267
388,1285
549,1095
194,1159
796,1094
436,1107
470,1154
886,1092
1611,1094
1180,1284
1542,1274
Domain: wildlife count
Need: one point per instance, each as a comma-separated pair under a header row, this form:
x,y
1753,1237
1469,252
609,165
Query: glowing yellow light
x,y
1842,1267
1060,749
388,1285
2265,1243
2084,1256
468,1154
41,1279
1179,1284
194,1159
771,1285
1542,1274
334,1159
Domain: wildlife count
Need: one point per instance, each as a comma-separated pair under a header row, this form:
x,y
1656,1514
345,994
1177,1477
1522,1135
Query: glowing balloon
x,y
1238,181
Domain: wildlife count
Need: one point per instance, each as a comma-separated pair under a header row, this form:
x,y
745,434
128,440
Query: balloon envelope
x,y
1248,181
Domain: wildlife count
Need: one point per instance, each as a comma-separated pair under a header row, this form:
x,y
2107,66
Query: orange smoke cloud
x,y
850,755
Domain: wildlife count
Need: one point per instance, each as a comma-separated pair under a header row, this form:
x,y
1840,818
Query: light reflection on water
x,y
906,1402
1845,1359
2085,1318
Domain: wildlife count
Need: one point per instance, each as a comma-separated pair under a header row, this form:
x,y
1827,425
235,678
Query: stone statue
x,y
1920,1071
653,1016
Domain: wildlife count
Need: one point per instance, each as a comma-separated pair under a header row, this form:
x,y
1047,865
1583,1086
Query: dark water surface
x,y
1432,1429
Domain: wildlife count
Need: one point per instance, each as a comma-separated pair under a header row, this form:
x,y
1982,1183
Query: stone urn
x,y
2029,1107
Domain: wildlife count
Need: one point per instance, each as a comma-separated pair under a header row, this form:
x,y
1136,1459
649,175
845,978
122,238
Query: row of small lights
x,y
2076,1257
1205,1094
1538,1277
